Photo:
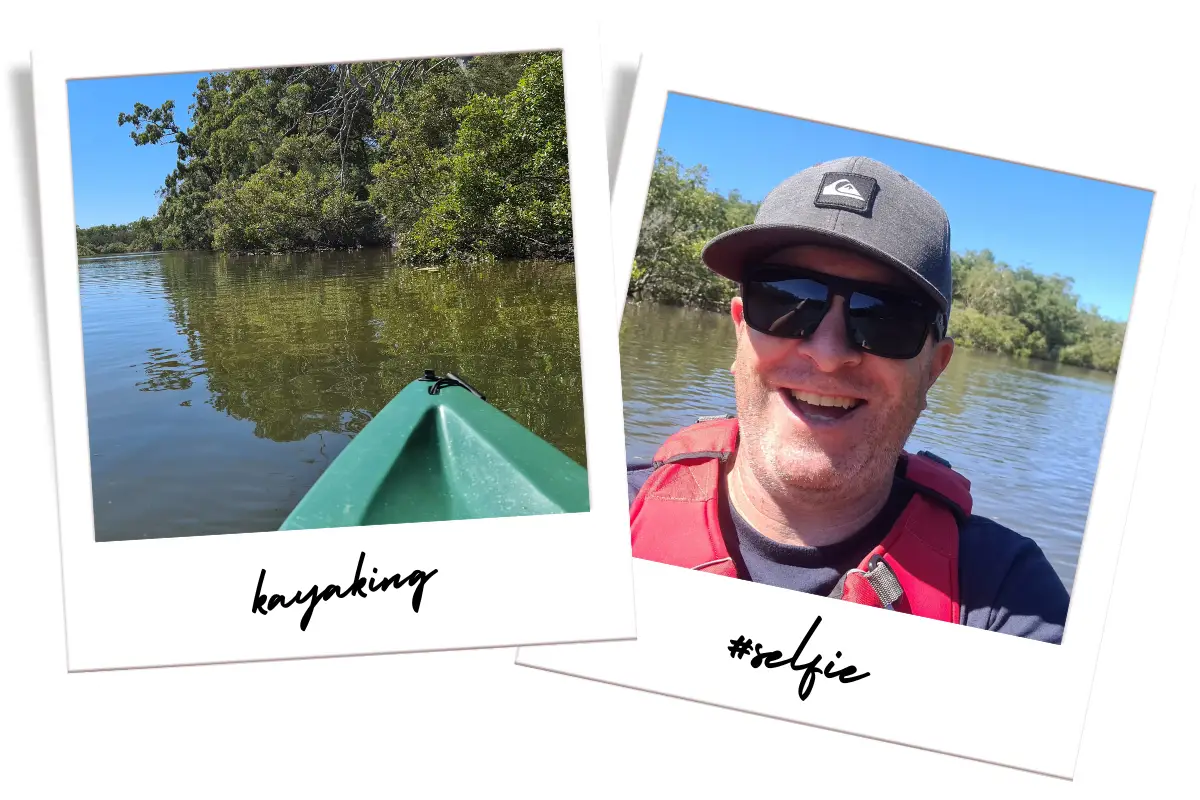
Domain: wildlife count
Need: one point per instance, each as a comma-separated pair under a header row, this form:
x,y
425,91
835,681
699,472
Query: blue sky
x,y
1053,223
115,180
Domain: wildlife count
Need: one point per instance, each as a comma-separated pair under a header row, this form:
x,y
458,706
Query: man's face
x,y
793,443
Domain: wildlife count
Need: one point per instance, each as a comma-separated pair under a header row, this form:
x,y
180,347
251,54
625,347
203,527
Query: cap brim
x,y
728,253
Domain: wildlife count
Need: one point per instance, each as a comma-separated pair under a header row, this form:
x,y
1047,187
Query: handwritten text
x,y
417,578
741,647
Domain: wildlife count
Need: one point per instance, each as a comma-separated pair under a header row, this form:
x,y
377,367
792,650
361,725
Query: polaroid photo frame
x,y
498,581
947,688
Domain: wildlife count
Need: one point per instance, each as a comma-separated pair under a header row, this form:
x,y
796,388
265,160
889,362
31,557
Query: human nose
x,y
829,347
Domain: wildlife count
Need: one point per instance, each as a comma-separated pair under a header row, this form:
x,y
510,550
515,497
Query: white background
x,y
450,723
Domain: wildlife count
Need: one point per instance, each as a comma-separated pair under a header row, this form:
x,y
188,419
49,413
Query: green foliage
x,y
1020,312
413,139
681,215
159,122
445,158
995,307
499,188
275,210
1099,347
1002,334
141,236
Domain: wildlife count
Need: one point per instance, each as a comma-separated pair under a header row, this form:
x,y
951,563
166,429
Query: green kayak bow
x,y
440,451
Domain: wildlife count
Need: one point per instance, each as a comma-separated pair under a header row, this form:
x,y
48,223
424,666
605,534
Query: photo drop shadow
x,y
20,80
621,82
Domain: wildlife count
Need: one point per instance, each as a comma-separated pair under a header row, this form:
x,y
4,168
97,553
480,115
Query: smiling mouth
x,y
821,408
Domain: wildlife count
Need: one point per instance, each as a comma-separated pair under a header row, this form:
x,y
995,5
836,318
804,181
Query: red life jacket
x,y
681,517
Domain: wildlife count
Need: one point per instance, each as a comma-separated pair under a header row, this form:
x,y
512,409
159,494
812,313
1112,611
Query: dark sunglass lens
x,y
788,307
888,326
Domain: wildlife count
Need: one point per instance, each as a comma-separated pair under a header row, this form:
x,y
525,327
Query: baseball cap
x,y
855,203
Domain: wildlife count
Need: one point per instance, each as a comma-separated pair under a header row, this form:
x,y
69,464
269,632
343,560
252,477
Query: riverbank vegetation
x,y
996,307
140,236
681,215
442,159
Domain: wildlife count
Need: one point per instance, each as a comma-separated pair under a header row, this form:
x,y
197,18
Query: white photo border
x,y
500,582
955,690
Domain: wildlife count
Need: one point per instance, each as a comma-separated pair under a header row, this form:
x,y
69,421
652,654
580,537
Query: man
x,y
841,331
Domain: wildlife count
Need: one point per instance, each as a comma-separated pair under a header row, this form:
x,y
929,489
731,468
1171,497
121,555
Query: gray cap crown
x,y
856,203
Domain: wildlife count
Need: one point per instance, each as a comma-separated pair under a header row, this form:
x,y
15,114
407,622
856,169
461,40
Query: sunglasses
x,y
790,303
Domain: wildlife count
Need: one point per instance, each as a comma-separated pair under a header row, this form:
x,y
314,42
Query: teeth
x,y
825,400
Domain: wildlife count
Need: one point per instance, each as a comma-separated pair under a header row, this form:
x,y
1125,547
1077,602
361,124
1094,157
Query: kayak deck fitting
x,y
439,451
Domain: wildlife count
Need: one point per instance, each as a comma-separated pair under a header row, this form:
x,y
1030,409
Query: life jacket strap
x,y
719,455
960,515
875,586
883,582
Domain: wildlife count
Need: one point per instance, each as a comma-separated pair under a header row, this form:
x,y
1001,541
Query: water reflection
x,y
1027,433
296,353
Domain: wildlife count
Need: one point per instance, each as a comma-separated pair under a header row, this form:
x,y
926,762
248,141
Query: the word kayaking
x,y
741,647
417,578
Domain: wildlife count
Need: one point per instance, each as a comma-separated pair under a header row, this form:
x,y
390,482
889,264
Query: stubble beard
x,y
791,466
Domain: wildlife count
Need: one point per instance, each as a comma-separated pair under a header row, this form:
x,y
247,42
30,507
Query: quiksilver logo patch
x,y
847,191
842,188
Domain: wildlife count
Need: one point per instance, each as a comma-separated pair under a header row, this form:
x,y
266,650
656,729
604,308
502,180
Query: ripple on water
x,y
220,387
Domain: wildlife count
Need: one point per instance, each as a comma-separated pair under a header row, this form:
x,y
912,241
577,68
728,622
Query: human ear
x,y
943,349
737,313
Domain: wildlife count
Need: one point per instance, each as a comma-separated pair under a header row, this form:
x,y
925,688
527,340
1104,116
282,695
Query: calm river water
x,y
1027,433
219,388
